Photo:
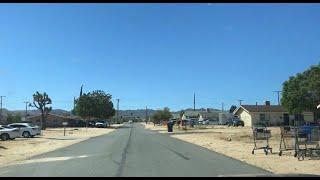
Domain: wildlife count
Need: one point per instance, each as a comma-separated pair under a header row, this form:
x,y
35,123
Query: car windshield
x,y
159,89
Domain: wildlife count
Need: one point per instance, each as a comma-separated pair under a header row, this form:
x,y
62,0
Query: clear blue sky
x,y
155,54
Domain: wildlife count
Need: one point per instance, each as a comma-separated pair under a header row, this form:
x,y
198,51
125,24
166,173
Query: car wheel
x,y
4,137
26,134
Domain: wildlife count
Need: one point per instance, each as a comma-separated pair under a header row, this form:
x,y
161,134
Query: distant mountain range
x,y
136,113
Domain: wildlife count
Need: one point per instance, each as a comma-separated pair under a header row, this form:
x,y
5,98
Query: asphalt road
x,y
132,151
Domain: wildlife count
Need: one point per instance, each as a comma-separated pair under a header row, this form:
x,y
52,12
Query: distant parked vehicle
x,y
102,124
26,130
92,124
235,122
7,133
210,122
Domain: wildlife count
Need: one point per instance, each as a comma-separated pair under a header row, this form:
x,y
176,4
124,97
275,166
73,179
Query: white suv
x,y
7,133
26,130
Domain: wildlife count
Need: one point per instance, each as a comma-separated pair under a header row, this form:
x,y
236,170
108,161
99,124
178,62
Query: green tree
x,y
13,118
96,104
302,92
161,115
40,101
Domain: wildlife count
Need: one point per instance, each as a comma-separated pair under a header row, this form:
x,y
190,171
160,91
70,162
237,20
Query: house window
x,y
298,119
262,117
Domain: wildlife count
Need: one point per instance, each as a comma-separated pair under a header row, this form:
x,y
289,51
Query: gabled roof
x,y
64,117
260,108
175,116
204,114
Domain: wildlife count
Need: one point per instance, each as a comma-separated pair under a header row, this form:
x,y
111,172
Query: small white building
x,y
273,115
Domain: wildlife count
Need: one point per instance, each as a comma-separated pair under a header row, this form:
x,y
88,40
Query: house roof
x,y
175,116
64,117
260,108
191,113
204,114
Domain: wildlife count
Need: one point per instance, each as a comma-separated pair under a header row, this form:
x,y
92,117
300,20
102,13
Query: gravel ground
x,y
238,143
12,152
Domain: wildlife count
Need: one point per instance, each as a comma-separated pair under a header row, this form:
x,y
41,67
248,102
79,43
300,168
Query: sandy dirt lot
x,y
12,152
237,142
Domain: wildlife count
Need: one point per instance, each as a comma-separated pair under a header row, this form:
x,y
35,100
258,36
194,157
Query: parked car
x,y
26,130
7,133
229,122
92,124
235,122
209,122
102,124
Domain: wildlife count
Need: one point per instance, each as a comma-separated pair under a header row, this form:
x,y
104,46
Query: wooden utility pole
x,y
194,101
1,108
222,107
26,114
118,110
278,92
146,114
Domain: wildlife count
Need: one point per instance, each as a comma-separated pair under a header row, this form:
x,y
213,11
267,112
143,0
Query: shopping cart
x,y
261,135
287,134
307,142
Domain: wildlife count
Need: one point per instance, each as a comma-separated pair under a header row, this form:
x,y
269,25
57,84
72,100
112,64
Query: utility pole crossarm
x,y
240,100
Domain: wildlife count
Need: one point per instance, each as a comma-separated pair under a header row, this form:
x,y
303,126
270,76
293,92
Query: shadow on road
x,y
2,147
61,138
188,132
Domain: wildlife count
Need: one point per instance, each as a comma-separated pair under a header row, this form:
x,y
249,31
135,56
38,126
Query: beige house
x,y
54,120
273,115
200,115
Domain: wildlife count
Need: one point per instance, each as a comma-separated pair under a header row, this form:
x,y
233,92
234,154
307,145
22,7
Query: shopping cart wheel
x,y
252,152
301,157
280,153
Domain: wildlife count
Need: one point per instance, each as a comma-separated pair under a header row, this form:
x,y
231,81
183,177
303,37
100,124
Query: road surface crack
x,y
124,155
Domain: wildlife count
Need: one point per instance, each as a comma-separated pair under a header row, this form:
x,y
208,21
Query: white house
x,y
270,114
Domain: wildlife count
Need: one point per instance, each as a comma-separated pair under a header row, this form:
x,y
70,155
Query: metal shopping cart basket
x,y
287,139
307,142
261,135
